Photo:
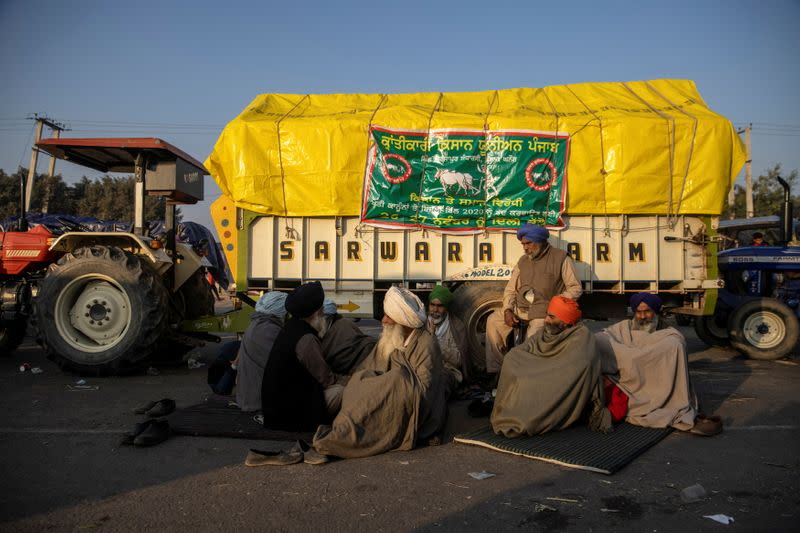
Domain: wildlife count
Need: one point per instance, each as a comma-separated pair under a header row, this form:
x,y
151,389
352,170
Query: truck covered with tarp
x,y
366,191
465,161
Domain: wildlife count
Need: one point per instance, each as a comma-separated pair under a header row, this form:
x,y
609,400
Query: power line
x,y
777,134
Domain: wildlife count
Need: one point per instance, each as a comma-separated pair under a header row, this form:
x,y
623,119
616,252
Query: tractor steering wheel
x,y
73,226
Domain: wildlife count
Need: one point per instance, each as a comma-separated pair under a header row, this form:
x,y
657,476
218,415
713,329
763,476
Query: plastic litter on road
x,y
82,387
483,474
721,518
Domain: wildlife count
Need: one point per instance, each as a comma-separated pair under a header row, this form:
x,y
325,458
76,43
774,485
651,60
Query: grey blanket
x,y
652,369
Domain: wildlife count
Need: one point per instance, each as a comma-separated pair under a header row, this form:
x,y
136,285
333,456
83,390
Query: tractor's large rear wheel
x,y
100,310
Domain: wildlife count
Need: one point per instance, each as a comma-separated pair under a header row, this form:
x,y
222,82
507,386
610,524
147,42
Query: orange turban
x,y
564,308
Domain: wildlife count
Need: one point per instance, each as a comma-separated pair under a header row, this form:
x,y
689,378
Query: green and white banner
x,y
464,181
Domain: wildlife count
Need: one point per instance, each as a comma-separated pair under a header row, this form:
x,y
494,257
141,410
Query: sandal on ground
x,y
706,426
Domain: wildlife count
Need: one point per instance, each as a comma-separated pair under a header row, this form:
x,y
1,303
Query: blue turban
x,y
329,307
272,303
533,232
652,301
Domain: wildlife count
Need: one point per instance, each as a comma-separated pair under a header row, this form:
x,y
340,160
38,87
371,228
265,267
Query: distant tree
x,y
105,198
767,195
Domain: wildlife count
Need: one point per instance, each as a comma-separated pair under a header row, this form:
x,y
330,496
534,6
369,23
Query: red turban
x,y
564,308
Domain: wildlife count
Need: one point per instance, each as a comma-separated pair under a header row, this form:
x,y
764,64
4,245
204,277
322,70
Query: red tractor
x,y
24,257
101,302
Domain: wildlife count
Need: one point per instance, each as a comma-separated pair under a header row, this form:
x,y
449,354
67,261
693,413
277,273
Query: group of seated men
x,y
307,368
636,370
317,371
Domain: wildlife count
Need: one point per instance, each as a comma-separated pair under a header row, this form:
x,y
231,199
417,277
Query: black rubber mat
x,y
576,447
219,420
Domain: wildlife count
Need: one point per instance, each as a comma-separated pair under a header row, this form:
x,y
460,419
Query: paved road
x,y
63,468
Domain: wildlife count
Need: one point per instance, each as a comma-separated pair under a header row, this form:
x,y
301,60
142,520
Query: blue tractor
x,y
757,311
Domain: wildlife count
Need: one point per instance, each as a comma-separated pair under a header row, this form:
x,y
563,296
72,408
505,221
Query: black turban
x,y
305,299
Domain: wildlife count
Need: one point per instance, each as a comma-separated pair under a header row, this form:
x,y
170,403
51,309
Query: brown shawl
x,y
548,383
389,404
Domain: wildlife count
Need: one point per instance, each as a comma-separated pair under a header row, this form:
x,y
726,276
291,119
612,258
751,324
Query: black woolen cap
x,y
305,299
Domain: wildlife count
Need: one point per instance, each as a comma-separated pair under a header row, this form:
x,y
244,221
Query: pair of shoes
x,y
128,438
310,455
280,458
156,409
480,407
706,426
156,432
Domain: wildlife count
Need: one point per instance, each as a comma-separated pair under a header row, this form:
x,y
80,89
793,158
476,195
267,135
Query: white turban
x,y
404,307
272,303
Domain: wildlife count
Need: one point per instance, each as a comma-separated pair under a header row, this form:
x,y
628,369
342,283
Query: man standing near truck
x,y
540,274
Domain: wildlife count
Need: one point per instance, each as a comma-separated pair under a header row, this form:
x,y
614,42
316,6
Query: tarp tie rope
x,y
603,171
362,228
495,100
671,218
558,118
425,159
691,145
280,159
369,148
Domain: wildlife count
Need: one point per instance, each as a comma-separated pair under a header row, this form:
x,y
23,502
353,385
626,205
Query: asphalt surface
x,y
63,467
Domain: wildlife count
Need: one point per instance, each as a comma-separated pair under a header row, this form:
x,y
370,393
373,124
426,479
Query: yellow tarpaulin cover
x,y
644,147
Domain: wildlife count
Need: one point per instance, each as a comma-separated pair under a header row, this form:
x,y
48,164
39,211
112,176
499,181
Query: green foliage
x,y
767,195
105,198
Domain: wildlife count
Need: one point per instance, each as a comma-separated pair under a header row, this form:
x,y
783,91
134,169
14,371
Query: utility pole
x,y
51,171
748,171
57,127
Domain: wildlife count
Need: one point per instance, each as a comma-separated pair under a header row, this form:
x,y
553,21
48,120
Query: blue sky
x,y
182,70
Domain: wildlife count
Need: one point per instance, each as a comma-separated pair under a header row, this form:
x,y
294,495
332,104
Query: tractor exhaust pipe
x,y
787,213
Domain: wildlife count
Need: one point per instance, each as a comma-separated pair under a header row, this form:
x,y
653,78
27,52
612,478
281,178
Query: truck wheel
x,y
712,330
473,303
764,329
100,310
11,334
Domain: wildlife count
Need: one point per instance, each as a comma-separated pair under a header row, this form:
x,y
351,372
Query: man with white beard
x,y
397,397
451,334
299,390
647,360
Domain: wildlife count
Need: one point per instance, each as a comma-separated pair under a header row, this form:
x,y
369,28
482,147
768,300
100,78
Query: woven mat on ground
x,y
216,419
575,447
